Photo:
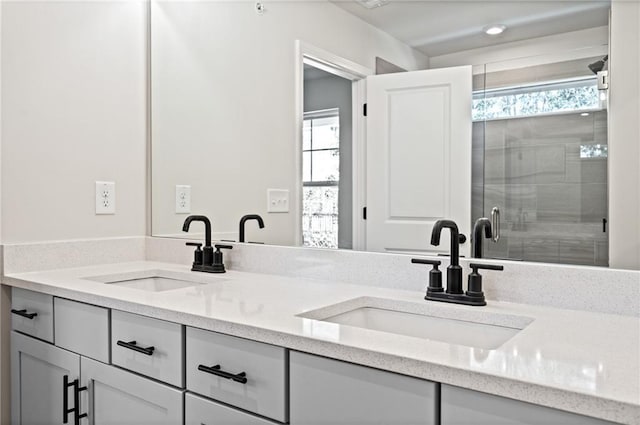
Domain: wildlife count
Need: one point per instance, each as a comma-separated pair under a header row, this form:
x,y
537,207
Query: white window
x,y
321,176
539,99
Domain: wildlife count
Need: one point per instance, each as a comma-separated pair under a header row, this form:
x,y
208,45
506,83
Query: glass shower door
x,y
540,157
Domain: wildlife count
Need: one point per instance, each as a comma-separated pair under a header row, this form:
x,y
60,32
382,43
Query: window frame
x,y
312,115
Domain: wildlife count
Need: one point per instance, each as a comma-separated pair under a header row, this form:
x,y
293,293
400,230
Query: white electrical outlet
x,y
277,200
105,198
183,199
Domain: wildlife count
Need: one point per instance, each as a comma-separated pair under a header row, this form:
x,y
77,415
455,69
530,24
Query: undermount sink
x,y
155,280
436,323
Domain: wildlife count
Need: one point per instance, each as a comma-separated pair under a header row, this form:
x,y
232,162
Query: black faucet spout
x,y
480,225
246,218
455,238
207,227
454,271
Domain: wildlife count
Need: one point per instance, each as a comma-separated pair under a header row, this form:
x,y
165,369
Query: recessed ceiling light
x,y
584,114
372,4
494,29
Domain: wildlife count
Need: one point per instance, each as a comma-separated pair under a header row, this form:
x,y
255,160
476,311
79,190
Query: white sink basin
x,y
468,327
156,280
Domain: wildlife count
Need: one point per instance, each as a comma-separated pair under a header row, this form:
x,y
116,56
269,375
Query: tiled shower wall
x,y
552,201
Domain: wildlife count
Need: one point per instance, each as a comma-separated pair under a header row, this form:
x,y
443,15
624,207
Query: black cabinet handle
x,y
76,400
131,345
215,370
24,313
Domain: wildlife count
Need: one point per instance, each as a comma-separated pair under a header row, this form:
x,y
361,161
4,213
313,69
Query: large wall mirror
x,y
257,108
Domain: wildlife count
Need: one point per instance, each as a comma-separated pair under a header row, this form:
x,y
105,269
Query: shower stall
x,y
540,158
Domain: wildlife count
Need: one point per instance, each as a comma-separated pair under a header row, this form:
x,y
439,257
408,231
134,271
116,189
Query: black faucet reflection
x,y
246,218
480,225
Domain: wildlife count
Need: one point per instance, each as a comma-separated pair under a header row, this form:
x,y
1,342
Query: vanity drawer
x,y
164,361
82,328
199,411
265,366
32,313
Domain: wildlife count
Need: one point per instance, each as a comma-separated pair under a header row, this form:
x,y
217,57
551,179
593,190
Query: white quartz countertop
x,y
576,361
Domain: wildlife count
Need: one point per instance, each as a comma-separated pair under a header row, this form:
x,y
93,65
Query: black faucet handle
x,y
218,263
474,285
434,263
435,275
198,256
475,267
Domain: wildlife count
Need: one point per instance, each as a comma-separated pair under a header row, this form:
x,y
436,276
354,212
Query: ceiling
x,y
440,27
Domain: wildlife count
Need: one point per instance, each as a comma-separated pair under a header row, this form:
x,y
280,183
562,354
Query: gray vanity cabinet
x,y
466,407
325,391
37,373
116,396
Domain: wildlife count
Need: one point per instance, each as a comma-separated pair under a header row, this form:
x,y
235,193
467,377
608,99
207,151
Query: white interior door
x,y
418,158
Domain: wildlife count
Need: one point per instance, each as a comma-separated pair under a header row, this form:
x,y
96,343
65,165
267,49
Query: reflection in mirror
x,y
533,133
236,113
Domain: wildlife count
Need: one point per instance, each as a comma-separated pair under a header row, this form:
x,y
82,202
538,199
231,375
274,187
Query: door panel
x,y
418,158
37,376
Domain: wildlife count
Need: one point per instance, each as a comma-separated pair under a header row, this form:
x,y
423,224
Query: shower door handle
x,y
495,224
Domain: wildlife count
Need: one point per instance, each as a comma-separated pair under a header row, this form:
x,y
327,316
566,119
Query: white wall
x,y
73,112
535,51
624,136
223,103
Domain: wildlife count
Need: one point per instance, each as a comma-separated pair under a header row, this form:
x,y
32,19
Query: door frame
x,y
306,53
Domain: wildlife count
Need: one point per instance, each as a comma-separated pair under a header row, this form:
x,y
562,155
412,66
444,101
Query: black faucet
x,y
203,260
246,218
481,223
454,271
454,293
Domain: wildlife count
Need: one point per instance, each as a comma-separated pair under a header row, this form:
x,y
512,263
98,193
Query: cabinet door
x,y
466,407
325,391
37,374
117,397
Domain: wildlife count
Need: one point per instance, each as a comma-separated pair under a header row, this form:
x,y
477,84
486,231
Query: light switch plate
x,y
183,199
105,198
277,200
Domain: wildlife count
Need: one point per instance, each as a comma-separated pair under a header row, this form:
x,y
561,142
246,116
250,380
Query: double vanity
x,y
153,342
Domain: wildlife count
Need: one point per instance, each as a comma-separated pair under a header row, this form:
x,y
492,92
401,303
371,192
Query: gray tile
x,y
543,250
499,249
550,163
495,135
559,202
576,252
494,166
602,253
494,196
594,202
521,206
477,201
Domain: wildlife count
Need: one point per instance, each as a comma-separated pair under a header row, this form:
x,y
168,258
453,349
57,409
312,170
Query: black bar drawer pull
x,y
215,370
131,345
24,313
76,400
